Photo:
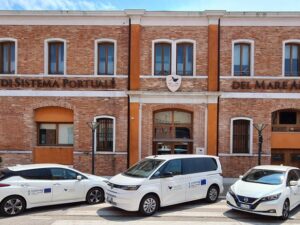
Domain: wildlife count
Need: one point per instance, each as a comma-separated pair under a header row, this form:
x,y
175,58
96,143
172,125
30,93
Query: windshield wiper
x,y
133,175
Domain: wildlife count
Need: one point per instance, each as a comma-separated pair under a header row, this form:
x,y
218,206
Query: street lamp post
x,y
259,127
93,125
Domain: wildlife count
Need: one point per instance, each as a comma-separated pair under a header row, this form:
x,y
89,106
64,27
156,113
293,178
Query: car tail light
x,y
4,185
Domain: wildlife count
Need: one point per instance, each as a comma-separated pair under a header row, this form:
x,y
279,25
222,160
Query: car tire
x,y
149,205
12,206
285,210
95,196
212,194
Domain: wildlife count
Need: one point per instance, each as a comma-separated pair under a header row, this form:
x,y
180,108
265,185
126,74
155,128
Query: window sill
x,y
111,153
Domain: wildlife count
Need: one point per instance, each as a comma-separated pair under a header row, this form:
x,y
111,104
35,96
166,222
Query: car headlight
x,y
130,187
271,197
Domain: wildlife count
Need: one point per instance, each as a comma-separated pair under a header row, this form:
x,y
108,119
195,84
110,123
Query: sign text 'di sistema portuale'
x,y
56,83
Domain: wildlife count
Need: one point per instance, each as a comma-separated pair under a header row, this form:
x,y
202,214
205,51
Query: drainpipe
x,y
128,97
218,113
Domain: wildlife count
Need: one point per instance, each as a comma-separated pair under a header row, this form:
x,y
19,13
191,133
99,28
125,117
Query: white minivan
x,y
163,180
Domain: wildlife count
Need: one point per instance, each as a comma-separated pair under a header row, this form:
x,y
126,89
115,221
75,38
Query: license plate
x,y
244,206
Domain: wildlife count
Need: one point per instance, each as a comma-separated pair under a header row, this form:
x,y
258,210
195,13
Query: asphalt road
x,y
192,213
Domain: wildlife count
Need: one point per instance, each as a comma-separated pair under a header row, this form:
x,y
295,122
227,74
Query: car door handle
x,y
57,184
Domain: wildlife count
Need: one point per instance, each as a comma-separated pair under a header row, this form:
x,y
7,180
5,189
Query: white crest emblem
x,y
173,82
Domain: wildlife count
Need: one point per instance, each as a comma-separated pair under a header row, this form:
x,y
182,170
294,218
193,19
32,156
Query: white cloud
x,y
57,5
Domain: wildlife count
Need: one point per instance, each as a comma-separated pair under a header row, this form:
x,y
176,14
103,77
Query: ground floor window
x,y
241,135
105,135
172,132
55,134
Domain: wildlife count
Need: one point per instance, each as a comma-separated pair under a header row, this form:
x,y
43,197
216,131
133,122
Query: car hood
x,y
96,178
121,179
254,190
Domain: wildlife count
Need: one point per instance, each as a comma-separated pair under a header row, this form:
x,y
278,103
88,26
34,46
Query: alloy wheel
x,y
285,210
149,205
13,206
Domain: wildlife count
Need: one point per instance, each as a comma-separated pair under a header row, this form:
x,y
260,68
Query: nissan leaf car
x,y
266,190
28,186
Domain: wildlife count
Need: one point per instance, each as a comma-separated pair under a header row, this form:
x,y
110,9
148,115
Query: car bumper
x,y
127,200
268,208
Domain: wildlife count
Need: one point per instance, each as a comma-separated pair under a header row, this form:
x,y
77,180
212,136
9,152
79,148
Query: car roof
x,y
179,156
35,166
275,167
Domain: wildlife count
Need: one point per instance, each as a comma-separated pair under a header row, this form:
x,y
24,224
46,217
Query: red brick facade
x,y
133,106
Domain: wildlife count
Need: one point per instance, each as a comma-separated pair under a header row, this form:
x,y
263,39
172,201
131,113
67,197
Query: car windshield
x,y
144,168
271,177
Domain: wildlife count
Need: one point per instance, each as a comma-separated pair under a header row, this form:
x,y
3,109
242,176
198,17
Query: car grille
x,y
245,199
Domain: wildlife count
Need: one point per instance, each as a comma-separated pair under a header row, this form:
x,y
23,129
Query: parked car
x,y
163,180
28,186
266,190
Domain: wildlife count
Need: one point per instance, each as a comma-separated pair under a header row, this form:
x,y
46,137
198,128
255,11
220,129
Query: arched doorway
x,y
172,132
285,141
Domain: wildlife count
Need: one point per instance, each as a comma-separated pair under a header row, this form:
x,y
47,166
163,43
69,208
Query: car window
x,y
292,176
262,176
199,165
143,168
36,174
173,166
63,174
6,173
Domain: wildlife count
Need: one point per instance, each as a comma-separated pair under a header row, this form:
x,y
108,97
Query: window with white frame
x,y
292,59
242,58
162,58
105,56
241,135
173,57
55,56
7,56
105,134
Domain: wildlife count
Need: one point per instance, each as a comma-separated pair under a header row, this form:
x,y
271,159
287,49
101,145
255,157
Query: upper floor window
x,y
241,135
292,59
106,58
7,57
162,59
242,61
105,134
56,57
184,59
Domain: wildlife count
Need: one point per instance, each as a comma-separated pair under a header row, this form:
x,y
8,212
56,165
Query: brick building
x,y
156,82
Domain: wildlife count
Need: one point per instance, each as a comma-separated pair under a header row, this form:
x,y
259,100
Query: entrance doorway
x,y
172,132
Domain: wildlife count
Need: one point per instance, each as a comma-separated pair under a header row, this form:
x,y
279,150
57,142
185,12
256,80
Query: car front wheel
x,y
12,206
95,196
285,210
149,205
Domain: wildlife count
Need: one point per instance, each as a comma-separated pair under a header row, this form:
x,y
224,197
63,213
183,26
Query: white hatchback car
x,y
166,180
28,186
266,190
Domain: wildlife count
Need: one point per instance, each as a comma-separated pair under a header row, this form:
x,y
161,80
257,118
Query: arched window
x,y
162,58
185,59
173,132
241,135
292,59
8,56
55,126
243,57
105,58
55,56
105,134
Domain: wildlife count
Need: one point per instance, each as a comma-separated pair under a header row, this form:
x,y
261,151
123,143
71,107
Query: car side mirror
x,y
167,174
293,183
79,177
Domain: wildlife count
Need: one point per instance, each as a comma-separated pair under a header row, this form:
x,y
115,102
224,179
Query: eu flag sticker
x,y
203,182
47,190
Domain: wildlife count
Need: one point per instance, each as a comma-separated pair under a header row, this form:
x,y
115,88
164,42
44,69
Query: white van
x,y
163,180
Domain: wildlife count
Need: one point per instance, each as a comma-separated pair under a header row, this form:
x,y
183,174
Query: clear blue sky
x,y
177,5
